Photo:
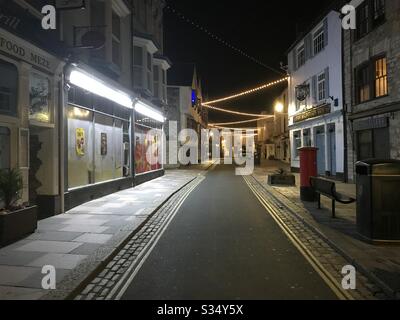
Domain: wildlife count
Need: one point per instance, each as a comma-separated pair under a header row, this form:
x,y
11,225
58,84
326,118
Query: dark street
x,y
223,244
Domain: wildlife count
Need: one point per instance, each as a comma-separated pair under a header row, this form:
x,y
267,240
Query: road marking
x,y
317,266
125,281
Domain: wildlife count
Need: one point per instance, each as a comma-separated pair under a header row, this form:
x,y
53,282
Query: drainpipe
x,y
133,120
344,112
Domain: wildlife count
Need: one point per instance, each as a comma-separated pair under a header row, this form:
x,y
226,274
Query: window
x,y
116,39
156,76
307,138
39,98
372,80
370,14
4,148
381,86
297,143
319,41
8,89
363,21
321,87
138,66
301,56
363,84
379,11
149,72
373,143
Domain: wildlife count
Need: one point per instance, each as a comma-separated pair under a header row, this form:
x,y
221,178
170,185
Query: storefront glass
x,y
8,88
4,148
98,141
143,142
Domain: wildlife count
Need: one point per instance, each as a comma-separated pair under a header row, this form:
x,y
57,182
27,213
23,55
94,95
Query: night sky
x,y
263,29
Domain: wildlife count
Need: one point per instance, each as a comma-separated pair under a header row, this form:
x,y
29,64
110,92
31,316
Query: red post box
x,y
308,168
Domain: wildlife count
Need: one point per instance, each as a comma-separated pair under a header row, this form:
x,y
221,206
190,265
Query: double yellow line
x,y
308,255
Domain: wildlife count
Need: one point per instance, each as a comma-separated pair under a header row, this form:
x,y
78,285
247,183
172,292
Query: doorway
x,y
332,149
320,144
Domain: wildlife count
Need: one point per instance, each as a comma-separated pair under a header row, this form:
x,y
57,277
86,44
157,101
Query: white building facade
x,y
316,96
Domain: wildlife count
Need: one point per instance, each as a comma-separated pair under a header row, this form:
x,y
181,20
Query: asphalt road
x,y
222,244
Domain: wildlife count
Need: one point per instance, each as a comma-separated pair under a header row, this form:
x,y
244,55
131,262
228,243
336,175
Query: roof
x,y
181,74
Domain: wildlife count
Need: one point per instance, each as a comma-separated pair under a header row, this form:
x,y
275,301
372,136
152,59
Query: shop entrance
x,y
332,149
320,144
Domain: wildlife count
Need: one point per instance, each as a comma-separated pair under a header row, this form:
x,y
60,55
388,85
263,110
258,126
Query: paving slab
x,y
79,241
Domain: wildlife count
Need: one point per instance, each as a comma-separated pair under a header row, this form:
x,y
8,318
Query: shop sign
x,y
80,142
18,50
312,113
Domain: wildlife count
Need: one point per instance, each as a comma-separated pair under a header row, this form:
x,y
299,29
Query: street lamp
x,y
279,107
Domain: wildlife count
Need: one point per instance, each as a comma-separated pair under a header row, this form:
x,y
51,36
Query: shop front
x,y
29,99
98,133
319,128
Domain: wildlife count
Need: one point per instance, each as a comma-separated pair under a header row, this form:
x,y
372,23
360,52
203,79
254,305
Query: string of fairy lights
x,y
210,104
238,95
219,39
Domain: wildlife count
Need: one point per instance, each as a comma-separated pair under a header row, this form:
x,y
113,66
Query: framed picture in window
x,y
39,98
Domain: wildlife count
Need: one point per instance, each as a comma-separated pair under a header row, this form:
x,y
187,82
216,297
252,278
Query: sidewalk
x,y
382,262
80,241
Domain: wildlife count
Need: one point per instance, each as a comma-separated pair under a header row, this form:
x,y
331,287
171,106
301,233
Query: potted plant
x,y
16,221
281,177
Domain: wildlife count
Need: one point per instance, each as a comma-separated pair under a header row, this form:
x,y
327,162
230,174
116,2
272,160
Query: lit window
x,y
381,86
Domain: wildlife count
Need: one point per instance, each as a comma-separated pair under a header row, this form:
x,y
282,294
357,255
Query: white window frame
x,y
321,85
301,50
319,41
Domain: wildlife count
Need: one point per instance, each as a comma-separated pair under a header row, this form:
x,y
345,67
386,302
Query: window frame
x,y
318,41
370,67
116,40
319,83
13,112
371,20
301,52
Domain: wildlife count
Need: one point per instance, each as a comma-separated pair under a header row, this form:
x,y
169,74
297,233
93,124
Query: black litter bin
x,y
378,199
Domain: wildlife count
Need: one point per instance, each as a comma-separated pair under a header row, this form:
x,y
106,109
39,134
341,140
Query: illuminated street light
x,y
279,107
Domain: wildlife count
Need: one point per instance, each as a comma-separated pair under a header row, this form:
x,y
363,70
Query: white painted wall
x,y
331,57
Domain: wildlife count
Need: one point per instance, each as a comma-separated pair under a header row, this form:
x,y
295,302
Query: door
x,y
332,150
320,144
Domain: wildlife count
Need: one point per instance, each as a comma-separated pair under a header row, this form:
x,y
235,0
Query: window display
x,y
143,162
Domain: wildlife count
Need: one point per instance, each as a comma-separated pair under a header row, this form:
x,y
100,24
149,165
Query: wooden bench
x,y
327,188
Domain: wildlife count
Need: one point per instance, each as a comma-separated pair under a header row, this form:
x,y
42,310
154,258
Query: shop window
x,y
105,146
5,148
297,143
8,89
307,138
142,144
80,147
39,98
